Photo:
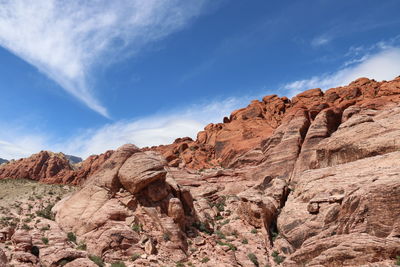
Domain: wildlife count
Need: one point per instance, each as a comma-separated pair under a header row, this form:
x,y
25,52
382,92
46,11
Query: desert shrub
x,y
230,245
71,237
205,260
166,236
225,222
202,227
253,258
135,256
137,227
118,264
277,258
45,228
46,212
26,227
274,235
97,260
82,246
398,260
180,264
218,217
235,233
245,241
220,234
45,240
254,231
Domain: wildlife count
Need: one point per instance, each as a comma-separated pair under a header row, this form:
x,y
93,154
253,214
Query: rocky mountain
x,y
311,181
3,161
74,159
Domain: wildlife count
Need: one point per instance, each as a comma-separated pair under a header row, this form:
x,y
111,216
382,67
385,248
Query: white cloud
x,y
20,145
66,39
321,40
384,65
153,130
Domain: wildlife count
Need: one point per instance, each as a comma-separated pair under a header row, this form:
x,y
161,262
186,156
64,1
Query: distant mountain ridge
x,y
3,161
74,159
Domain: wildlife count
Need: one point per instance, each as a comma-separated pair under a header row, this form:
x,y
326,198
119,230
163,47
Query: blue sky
x,y
84,78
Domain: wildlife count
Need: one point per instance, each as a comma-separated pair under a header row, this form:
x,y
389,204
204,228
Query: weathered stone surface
x,y
140,170
22,241
81,262
312,181
357,201
3,258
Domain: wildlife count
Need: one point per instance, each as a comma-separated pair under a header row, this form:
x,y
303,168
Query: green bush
x,y
205,260
398,260
45,240
220,234
202,227
71,237
97,260
135,256
82,246
166,236
137,227
254,231
118,264
230,245
253,258
45,228
245,241
26,227
46,212
277,258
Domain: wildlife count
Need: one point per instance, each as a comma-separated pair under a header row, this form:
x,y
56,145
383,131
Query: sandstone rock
x,y
345,195
53,255
312,181
175,211
149,247
81,262
21,258
3,259
140,170
22,241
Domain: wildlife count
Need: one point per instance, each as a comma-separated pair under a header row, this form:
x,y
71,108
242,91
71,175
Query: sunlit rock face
x,y
311,181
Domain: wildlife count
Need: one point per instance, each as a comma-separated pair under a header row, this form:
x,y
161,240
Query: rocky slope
x,y
314,181
54,168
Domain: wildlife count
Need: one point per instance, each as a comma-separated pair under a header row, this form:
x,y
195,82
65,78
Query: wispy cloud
x,y
384,65
66,39
321,40
162,128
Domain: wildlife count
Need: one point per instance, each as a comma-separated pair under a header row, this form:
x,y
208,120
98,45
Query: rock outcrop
x,y
311,181
238,140
53,168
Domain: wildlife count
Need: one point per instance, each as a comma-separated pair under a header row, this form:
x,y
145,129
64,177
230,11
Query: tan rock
x,y
140,170
81,262
22,241
3,258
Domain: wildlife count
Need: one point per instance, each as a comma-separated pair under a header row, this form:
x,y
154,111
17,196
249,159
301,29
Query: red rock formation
x,y
309,182
49,167
227,144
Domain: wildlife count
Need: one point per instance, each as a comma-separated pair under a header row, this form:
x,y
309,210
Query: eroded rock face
x,y
53,168
312,181
353,204
3,258
126,200
140,170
